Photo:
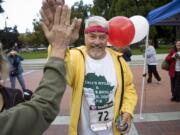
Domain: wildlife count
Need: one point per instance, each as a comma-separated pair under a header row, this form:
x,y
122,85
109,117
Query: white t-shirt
x,y
98,97
151,55
177,67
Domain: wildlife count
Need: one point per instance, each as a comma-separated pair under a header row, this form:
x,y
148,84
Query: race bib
x,y
101,117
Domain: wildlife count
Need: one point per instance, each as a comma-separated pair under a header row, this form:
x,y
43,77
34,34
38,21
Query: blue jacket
x,y
15,63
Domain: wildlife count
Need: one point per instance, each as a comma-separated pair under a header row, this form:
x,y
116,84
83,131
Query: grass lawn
x,y
34,55
136,51
161,50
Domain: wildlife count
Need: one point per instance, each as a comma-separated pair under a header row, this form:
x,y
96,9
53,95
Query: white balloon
x,y
141,26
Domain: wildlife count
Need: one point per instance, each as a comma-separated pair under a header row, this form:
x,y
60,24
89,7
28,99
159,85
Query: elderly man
x,y
101,81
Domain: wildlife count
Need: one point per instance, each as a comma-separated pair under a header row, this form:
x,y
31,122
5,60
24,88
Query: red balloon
x,y
121,31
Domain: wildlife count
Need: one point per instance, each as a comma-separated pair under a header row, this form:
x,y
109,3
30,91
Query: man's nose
x,y
97,40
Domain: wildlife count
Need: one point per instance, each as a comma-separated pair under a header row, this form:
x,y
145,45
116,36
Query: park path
x,y
160,115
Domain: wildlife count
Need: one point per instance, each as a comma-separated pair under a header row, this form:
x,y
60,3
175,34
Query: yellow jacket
x,y
75,68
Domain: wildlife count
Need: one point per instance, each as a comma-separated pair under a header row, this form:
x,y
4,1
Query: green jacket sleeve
x,y
34,117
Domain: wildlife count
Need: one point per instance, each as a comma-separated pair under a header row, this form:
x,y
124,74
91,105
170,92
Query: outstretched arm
x,y
42,109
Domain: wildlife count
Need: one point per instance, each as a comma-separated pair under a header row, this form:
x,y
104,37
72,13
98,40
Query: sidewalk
x,y
140,57
159,116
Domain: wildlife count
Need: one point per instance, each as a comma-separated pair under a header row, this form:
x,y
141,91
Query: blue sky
x,y
22,13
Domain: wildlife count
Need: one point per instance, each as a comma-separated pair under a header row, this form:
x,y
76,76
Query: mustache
x,y
97,46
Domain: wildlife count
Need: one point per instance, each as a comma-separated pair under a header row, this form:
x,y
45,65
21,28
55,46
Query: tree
x,y
38,37
167,33
9,36
129,8
35,38
1,9
105,8
80,10
101,8
25,39
121,8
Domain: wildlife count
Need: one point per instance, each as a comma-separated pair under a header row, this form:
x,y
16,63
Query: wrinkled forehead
x,y
92,24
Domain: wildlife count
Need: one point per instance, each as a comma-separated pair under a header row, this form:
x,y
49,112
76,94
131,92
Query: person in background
x,y
16,48
34,117
101,94
151,61
16,70
126,51
173,59
8,97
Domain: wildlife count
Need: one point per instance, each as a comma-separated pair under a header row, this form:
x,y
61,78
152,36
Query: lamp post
x,y
137,5
5,23
137,2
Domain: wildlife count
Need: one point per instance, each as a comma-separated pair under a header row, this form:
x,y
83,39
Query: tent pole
x,y
144,77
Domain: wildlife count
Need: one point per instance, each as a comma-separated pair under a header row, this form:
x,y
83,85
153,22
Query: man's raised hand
x,y
47,12
59,36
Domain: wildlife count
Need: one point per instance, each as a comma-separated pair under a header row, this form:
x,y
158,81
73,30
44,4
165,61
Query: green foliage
x,y
38,36
136,51
1,9
164,49
34,39
160,50
9,36
25,38
101,8
126,8
80,10
34,55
